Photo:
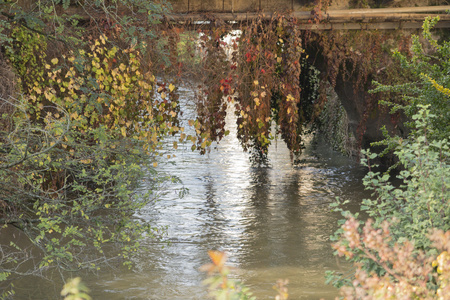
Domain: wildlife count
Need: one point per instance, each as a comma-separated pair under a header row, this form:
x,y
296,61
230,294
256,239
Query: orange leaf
x,y
218,258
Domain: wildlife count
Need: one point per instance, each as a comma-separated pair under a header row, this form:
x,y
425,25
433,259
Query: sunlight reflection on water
x,y
274,222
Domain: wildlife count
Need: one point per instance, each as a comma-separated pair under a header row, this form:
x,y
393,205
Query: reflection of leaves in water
x,y
260,186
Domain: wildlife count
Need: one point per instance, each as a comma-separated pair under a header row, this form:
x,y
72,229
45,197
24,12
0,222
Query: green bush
x,y
429,62
410,211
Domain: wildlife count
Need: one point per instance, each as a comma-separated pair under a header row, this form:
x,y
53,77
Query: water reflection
x,y
274,222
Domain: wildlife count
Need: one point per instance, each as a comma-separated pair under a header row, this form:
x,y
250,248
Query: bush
x,y
393,254
408,273
75,144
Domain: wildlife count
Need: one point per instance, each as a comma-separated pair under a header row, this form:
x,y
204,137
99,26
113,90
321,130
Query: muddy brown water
x,y
273,222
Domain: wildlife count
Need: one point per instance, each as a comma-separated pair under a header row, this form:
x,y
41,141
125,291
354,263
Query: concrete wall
x,y
238,6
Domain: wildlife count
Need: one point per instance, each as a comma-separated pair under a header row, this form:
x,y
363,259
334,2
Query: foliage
x,y
260,78
333,125
265,75
412,209
407,272
421,200
75,290
221,287
80,136
350,61
430,65
269,84
418,204
211,107
66,21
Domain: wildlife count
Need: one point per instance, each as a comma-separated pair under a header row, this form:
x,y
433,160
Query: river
x,y
273,222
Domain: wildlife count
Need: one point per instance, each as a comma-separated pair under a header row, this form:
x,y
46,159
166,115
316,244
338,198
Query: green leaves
x,y
80,142
430,68
421,201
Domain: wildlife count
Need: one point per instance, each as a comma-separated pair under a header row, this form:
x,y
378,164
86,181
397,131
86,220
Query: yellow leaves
x,y
442,262
263,94
107,87
103,39
49,96
37,90
256,101
155,164
437,86
74,116
154,138
95,64
256,82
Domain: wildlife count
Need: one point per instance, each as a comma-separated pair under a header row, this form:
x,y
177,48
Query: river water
x,y
273,222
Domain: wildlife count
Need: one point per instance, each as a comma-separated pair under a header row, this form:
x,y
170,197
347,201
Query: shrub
x,y
75,144
394,251
408,273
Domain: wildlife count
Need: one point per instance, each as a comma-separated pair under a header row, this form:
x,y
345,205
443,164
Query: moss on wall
x,y
333,124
